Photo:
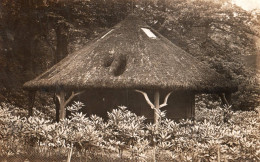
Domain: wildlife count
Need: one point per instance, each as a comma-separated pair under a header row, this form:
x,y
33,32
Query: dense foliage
x,y
217,134
37,34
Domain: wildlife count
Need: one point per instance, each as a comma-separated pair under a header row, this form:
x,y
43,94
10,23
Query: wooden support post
x,y
157,107
61,98
31,102
63,102
57,107
228,97
192,96
223,99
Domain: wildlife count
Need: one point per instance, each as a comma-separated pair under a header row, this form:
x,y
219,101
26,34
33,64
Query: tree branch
x,y
79,93
146,98
165,100
72,96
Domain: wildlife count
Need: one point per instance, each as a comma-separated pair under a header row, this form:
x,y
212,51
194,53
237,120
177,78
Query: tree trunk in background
x,y
62,43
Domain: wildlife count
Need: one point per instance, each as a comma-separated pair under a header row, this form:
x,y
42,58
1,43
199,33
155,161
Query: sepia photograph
x,y
129,80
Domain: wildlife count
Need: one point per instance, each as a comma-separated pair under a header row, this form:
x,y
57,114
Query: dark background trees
x,y
34,35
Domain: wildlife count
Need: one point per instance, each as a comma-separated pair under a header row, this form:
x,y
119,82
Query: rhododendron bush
x,y
216,134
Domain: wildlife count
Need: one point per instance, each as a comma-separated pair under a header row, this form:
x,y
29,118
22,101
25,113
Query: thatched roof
x,y
127,57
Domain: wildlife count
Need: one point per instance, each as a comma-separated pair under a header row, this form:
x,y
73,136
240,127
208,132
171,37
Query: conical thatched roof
x,y
127,57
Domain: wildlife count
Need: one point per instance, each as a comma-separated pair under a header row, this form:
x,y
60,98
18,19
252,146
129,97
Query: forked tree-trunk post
x,y
62,111
157,107
228,97
57,107
31,102
225,98
63,102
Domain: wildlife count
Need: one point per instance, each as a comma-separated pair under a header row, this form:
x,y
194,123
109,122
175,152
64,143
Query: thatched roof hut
x,y
131,55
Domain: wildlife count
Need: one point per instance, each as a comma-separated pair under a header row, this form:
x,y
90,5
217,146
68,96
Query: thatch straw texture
x,y
126,57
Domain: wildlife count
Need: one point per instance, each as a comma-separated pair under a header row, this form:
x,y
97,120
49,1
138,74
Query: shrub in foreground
x,y
217,134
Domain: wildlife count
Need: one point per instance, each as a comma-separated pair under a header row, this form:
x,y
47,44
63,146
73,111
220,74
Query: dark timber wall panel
x,y
180,104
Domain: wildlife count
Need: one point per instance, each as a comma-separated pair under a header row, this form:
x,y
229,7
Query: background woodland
x,y
36,34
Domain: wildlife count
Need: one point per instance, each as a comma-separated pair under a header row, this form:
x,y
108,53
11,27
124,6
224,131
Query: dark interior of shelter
x,y
180,104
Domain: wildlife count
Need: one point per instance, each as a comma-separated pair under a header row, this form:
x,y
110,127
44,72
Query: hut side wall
x,y
99,102
181,105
